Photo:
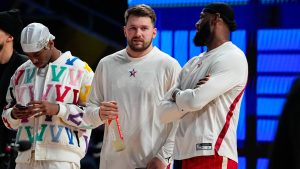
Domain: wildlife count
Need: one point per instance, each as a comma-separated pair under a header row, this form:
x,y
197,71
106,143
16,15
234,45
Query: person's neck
x,y
216,44
55,54
219,36
5,54
135,54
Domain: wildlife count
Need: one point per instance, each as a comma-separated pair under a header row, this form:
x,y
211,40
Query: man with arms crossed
x,y
208,112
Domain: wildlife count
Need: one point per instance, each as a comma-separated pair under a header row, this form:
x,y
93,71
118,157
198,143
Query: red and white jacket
x,y
208,114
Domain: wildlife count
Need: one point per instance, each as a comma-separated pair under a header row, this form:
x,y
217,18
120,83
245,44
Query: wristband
x,y
174,94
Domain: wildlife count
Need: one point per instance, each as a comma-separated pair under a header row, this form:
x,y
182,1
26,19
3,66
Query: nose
x,y
197,23
34,60
138,32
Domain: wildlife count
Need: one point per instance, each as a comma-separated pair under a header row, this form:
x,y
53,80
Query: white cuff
x,y
169,112
96,117
180,103
11,120
62,110
162,159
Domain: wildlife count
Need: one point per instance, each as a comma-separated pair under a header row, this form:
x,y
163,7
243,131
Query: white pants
x,y
47,165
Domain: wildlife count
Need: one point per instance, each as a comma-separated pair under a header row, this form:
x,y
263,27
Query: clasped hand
x,y
108,110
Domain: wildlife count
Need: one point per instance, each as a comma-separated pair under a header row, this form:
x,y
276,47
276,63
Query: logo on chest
x,y
132,73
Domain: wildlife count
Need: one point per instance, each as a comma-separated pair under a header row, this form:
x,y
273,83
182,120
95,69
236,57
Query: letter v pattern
x,y
62,85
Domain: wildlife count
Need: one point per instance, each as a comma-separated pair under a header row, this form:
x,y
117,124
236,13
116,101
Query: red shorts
x,y
209,162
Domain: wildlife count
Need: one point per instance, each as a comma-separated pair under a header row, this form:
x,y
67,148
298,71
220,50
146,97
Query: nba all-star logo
x,y
132,72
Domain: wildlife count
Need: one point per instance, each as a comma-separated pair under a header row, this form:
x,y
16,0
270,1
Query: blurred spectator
x,y
10,60
286,147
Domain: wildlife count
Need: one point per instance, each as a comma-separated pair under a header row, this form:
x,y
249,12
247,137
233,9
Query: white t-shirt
x,y
138,85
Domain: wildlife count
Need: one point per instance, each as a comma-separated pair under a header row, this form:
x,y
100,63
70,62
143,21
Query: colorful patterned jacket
x,y
63,137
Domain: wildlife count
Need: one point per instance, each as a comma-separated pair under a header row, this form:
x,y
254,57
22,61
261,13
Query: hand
x,y
108,110
21,112
43,108
174,94
36,109
155,163
202,81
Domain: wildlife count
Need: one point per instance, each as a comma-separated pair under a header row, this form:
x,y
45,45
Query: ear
x,y
10,38
50,44
219,17
124,30
154,33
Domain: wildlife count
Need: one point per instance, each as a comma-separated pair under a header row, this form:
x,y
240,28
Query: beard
x,y
139,48
1,46
202,35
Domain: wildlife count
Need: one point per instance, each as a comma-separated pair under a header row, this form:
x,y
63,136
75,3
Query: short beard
x,y
140,49
1,46
202,36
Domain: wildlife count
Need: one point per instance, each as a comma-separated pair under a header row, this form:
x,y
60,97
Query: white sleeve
x,y
165,154
75,114
95,98
166,151
224,75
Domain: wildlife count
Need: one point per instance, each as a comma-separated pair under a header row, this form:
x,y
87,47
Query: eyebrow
x,y
35,54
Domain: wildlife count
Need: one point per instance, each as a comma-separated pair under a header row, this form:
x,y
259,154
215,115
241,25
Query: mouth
x,y
1,46
138,40
39,65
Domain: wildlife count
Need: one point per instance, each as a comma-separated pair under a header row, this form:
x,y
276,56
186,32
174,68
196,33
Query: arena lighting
x,y
182,3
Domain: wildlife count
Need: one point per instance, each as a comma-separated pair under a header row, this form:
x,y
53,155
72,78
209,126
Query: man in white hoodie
x,y
208,112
